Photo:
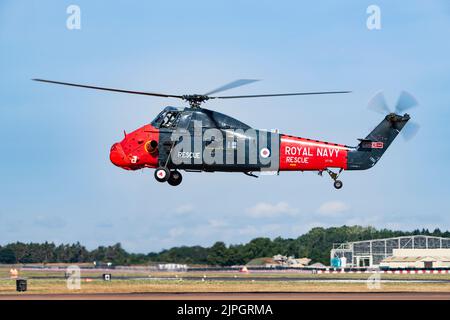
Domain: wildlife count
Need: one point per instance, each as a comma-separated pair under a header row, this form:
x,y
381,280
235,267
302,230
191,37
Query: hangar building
x,y
417,258
370,253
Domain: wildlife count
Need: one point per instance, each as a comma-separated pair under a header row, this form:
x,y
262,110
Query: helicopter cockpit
x,y
171,118
167,118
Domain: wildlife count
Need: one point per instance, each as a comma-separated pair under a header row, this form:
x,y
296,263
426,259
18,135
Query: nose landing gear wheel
x,y
162,174
175,178
338,184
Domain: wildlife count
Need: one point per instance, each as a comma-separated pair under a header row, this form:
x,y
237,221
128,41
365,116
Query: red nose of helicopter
x,y
117,156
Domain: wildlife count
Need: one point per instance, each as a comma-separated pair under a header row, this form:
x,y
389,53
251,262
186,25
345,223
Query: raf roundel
x,y
265,153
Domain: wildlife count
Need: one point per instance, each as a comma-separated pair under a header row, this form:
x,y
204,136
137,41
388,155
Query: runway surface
x,y
238,296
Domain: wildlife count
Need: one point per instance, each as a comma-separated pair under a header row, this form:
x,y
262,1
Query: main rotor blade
x,y
111,89
378,104
405,101
279,95
231,85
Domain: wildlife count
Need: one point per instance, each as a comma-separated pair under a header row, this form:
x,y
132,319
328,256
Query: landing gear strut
x,y
337,183
162,174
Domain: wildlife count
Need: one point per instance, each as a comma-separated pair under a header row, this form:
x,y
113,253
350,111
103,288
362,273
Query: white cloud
x,y
299,229
333,208
264,210
184,208
176,232
261,231
364,221
217,223
51,222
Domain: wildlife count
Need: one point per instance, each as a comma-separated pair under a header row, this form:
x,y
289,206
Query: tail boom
x,y
301,154
371,149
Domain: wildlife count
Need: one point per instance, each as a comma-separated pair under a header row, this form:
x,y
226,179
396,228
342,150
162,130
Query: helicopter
x,y
195,139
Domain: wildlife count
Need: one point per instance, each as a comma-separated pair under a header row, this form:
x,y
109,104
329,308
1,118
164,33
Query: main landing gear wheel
x,y
162,174
175,178
338,184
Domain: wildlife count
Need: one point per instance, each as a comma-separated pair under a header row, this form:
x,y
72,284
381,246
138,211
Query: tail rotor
x,y
405,102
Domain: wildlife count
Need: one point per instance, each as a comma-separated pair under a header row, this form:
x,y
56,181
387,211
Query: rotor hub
x,y
195,100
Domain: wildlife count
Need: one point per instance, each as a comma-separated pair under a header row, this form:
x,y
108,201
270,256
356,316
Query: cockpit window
x,y
168,118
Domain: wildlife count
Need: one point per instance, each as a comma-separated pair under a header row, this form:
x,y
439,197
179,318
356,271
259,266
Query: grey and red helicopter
x,y
195,139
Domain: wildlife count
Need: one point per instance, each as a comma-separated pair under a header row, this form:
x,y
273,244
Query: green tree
x,y
218,254
7,255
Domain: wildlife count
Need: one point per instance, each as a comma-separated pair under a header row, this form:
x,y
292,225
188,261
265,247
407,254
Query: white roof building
x,y
418,258
370,253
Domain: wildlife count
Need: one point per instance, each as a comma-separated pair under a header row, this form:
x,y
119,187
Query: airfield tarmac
x,y
50,284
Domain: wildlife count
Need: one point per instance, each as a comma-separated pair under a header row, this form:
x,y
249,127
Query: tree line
x,y
315,244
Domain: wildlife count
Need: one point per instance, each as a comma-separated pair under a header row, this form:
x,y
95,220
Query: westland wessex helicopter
x,y
195,139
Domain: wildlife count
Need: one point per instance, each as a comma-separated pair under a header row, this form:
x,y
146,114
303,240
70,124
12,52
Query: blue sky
x,y
57,183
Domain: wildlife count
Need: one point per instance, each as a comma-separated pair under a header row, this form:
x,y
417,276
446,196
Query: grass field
x,y
135,286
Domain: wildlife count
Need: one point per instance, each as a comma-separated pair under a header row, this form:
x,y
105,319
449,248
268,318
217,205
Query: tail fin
x,y
372,148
